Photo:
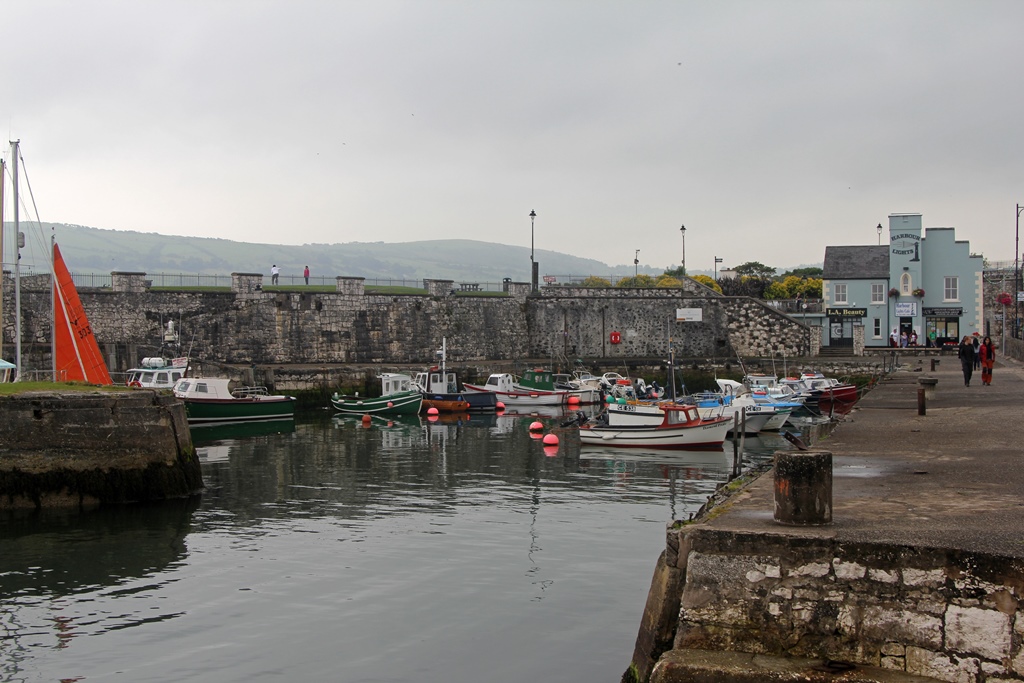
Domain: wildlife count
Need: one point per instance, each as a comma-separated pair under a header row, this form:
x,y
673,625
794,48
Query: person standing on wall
x,y
274,272
966,355
987,351
305,274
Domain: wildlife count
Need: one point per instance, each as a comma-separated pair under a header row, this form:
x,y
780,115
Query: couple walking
x,y
971,353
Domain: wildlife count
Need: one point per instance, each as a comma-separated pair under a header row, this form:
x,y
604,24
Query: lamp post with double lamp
x,y
682,231
636,264
533,263
879,229
717,261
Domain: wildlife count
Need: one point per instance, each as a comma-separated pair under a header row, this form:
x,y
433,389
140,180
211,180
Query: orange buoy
x,y
499,406
431,410
366,419
550,440
536,427
574,400
551,451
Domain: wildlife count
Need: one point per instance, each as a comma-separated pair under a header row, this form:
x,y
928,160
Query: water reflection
x,y
313,550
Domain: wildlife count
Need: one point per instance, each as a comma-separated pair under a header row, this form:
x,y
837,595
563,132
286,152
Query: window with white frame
x,y
951,289
905,284
878,292
877,328
840,292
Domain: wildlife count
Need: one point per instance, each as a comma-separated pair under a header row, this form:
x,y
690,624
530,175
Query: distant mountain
x,y
95,250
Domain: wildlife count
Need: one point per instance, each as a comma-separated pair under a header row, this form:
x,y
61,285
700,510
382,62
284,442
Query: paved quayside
x,y
919,575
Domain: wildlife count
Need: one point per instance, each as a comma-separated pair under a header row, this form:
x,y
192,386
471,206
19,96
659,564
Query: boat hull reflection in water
x,y
402,550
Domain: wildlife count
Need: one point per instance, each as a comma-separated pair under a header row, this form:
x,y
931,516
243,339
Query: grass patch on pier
x,y
12,388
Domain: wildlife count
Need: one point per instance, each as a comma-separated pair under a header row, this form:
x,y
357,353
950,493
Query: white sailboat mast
x,y
15,152
3,183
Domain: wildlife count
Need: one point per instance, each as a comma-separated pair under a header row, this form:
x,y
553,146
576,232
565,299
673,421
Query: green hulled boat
x,y
398,397
216,401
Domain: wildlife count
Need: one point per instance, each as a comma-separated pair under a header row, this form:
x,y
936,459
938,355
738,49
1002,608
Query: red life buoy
x,y
615,337
135,385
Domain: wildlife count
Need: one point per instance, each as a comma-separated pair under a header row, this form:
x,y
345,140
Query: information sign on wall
x,y
906,309
689,315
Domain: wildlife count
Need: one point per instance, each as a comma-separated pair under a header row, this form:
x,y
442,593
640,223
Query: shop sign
x,y
944,312
906,309
846,312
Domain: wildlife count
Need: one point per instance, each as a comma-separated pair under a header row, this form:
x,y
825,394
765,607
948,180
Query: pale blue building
x,y
925,284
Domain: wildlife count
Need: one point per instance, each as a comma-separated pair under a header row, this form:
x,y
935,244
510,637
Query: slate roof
x,y
856,263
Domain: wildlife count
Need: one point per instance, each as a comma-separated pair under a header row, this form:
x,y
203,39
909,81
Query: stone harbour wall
x,y
351,327
80,449
943,614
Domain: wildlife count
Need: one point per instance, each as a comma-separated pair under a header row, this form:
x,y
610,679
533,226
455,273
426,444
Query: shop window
x,y
877,327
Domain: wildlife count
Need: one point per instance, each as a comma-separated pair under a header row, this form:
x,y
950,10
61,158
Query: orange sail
x,y
78,354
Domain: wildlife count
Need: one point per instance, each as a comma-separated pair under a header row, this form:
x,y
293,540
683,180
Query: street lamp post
x,y
682,231
636,264
1016,280
717,261
879,229
533,263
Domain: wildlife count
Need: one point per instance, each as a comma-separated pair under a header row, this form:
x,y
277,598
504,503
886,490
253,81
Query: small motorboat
x,y
681,426
398,397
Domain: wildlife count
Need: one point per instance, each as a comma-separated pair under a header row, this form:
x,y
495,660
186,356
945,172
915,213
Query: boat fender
x,y
615,337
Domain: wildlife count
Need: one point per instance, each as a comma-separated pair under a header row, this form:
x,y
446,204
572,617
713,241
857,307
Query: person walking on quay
x,y
894,338
305,274
987,352
977,356
966,354
274,272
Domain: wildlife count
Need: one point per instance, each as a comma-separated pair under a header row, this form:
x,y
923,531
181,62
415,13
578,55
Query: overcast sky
x,y
769,129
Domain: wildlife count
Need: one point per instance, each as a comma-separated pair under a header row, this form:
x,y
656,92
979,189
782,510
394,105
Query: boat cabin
x,y
437,382
394,383
158,373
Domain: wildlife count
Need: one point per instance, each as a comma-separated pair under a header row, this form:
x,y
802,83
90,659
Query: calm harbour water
x,y
406,551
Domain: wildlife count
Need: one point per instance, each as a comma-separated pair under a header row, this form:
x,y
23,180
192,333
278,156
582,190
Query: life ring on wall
x,y
615,338
135,385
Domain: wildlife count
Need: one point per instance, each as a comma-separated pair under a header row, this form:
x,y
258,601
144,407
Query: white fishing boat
x,y
504,387
681,426
156,372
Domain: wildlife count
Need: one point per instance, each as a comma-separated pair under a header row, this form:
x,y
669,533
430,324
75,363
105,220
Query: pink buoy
x,y
536,436
551,451
574,400
550,440
536,427
390,404
366,419
432,418
431,410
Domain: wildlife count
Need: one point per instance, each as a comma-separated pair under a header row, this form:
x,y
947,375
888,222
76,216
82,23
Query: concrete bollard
x,y
929,384
921,404
935,361
803,488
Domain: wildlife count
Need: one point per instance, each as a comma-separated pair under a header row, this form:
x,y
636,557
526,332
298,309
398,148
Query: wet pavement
x,y
952,478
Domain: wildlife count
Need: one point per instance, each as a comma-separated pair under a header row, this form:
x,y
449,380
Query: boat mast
x,y
53,312
15,152
3,181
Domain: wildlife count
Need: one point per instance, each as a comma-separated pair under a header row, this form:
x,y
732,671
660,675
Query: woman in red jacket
x,y
988,357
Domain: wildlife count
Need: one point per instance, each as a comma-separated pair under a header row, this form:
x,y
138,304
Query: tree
x,y
805,272
755,269
666,280
595,281
708,282
676,272
743,286
641,280
777,290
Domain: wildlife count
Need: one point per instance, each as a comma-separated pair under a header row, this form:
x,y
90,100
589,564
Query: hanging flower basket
x,y
919,293
894,292
1005,299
